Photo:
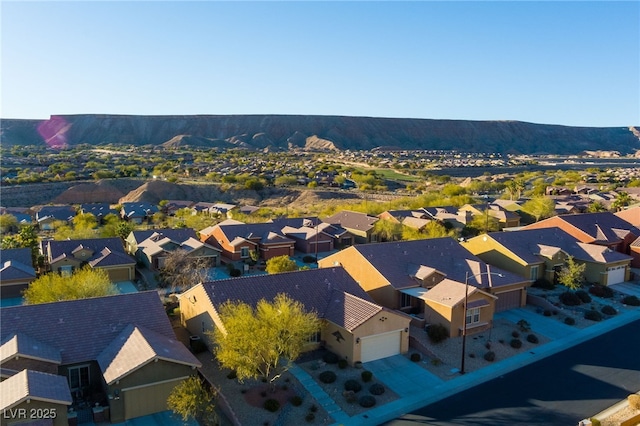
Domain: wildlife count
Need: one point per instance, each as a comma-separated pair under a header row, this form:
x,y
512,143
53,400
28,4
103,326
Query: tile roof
x,y
83,328
177,235
135,347
396,260
34,385
448,292
600,226
265,233
105,251
415,222
297,222
56,212
319,290
14,270
108,258
353,220
22,255
530,244
20,344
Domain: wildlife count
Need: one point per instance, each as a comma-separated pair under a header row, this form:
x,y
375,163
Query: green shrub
x,y
232,375
569,298
547,313
593,315
569,321
583,296
595,422
543,284
313,408
490,356
296,401
309,259
330,358
437,333
235,272
366,376
271,405
532,338
524,325
631,300
601,291
376,389
416,357
367,401
310,417
516,343
608,310
327,377
515,334
352,385
342,364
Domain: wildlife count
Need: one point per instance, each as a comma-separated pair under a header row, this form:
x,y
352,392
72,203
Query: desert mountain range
x,y
283,132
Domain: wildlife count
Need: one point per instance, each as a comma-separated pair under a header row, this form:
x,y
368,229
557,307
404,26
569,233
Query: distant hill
x,y
282,132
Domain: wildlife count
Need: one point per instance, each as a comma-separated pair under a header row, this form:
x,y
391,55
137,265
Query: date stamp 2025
x,y
29,413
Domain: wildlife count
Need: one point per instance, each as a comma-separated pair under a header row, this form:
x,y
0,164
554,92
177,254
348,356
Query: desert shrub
x,y
583,296
543,284
437,333
634,401
376,389
595,422
235,272
327,377
367,401
490,356
524,325
313,408
631,300
310,417
600,290
342,364
516,343
309,259
569,298
546,313
366,376
352,385
296,401
436,362
514,333
271,405
232,375
487,345
593,315
330,358
416,357
569,321
349,396
608,310
532,338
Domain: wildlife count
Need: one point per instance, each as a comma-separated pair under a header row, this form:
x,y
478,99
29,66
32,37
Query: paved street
x,y
559,390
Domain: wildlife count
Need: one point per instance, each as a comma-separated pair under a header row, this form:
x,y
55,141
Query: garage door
x,y
615,275
380,346
117,275
145,400
508,300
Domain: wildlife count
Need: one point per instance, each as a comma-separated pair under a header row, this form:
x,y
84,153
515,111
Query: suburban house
x,y
541,253
136,237
48,215
236,240
360,225
138,212
172,206
122,366
353,326
400,275
99,253
505,218
449,214
17,271
604,229
416,219
99,210
153,250
309,237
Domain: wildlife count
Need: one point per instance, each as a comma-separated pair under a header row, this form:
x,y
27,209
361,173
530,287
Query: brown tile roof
x,y
318,290
353,220
34,385
135,347
603,227
449,293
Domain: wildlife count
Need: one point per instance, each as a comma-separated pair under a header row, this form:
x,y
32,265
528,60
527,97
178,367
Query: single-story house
x,y
153,250
47,216
541,253
360,225
115,354
353,326
138,212
17,271
99,253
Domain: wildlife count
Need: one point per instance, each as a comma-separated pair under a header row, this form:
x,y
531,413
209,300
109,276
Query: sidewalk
x,y
416,387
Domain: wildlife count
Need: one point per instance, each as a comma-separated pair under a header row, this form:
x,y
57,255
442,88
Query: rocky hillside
x,y
317,132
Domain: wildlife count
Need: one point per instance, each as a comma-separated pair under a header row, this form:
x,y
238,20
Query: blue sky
x,y
572,63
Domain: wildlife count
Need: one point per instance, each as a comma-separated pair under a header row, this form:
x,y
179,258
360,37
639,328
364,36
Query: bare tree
x,y
182,270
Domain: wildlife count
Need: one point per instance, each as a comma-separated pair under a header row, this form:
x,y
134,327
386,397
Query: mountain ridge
x,y
317,132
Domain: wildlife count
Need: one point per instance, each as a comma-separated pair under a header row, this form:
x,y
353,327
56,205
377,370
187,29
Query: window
x,y
314,338
244,252
473,315
78,377
534,273
66,270
405,300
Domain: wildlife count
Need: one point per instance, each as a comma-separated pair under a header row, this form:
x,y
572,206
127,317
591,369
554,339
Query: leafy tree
x,y
571,275
84,226
387,230
286,180
622,200
83,283
182,271
540,207
596,207
27,237
8,223
263,342
192,399
279,264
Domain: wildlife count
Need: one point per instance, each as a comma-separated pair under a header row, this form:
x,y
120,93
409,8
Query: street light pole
x,y
464,313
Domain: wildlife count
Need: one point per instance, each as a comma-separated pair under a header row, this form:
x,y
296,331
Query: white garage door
x,y
380,346
615,275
